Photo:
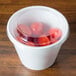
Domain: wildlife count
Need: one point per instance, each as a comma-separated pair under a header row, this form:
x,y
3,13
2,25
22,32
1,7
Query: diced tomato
x,y
44,40
20,39
55,33
24,30
37,28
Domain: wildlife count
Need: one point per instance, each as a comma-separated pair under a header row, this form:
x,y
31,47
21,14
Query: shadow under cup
x,y
37,58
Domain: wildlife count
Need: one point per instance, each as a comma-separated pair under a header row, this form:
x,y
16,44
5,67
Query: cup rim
x,y
61,40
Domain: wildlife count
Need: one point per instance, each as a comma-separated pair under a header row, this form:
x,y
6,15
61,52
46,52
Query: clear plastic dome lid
x,y
37,34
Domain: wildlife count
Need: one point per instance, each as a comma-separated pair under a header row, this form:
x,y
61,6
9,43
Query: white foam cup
x,y
37,58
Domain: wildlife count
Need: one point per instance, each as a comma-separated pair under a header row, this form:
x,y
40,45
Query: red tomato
x,y
20,39
37,28
44,40
24,30
55,33
30,43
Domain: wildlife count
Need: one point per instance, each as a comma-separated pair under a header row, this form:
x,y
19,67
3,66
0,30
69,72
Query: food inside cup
x,y
37,34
